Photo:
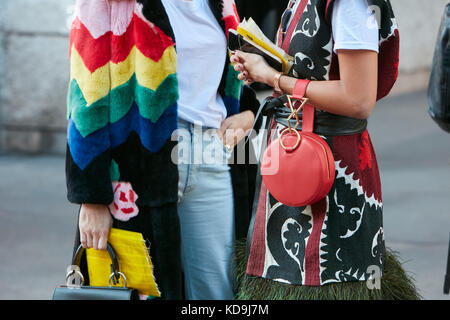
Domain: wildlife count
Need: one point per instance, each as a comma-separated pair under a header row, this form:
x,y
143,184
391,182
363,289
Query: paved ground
x,y
37,224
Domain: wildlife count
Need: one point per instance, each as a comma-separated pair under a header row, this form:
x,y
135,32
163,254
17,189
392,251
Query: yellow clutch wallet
x,y
134,262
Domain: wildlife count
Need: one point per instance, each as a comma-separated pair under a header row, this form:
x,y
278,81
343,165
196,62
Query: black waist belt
x,y
325,123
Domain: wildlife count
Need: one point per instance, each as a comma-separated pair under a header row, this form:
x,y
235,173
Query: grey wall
x,y
34,67
34,73
418,22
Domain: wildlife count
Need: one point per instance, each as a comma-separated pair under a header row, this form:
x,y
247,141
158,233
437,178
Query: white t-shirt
x,y
201,52
353,24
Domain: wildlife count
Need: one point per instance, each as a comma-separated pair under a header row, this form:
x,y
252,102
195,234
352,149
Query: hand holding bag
x,y
298,168
77,291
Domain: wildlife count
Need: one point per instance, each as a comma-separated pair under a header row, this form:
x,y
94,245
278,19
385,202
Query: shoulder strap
x,y
293,25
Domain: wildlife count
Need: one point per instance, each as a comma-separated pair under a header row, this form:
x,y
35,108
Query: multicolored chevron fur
x,y
124,86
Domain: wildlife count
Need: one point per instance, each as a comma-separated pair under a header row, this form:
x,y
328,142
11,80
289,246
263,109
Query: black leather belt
x,y
325,123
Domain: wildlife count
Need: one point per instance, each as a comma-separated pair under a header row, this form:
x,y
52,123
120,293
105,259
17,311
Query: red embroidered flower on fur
x,y
123,207
230,15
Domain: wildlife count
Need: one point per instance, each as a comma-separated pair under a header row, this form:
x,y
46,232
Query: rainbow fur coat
x,y
122,110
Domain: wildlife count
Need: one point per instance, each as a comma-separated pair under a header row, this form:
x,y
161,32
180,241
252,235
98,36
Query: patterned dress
x,y
340,238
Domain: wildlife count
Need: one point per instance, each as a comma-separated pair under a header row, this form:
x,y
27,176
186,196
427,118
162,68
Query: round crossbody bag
x,y
298,168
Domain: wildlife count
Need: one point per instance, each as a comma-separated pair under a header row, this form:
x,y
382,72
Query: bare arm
x,y
354,95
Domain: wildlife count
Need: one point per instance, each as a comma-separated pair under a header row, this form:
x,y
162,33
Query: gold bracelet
x,y
277,83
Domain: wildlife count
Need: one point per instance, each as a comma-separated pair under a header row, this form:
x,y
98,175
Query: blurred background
x,y
37,223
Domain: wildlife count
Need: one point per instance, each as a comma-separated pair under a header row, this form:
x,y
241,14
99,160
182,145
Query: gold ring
x,y
282,133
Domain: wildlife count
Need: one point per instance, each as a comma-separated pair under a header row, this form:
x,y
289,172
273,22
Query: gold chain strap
x,y
289,129
294,112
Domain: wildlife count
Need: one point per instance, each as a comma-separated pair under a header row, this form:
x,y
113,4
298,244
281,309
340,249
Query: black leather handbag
x,y
76,290
439,86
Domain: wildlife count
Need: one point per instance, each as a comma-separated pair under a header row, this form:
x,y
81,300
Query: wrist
x,y
93,206
276,83
249,115
270,77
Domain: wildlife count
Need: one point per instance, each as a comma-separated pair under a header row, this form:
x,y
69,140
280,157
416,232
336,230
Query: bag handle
x,y
307,109
269,105
115,273
267,108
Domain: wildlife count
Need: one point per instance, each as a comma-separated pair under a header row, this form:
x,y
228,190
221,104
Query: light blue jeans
x,y
206,211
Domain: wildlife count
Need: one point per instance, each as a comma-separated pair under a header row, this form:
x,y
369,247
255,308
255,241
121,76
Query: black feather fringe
x,y
396,284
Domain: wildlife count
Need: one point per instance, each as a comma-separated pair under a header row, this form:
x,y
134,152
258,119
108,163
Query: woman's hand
x,y
353,95
95,223
253,67
235,128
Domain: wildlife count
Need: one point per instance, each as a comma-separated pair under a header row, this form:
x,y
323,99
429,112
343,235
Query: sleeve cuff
x,y
249,101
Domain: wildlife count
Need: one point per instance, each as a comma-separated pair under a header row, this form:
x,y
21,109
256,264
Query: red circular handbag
x,y
298,167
